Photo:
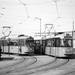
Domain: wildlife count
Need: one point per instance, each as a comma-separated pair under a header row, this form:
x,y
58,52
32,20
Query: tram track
x,y
22,69
48,68
68,69
37,69
15,66
41,69
70,73
42,65
25,68
22,59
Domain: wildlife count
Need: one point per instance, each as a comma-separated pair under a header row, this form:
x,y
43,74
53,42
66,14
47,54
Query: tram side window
x,y
68,42
57,42
4,43
50,42
62,43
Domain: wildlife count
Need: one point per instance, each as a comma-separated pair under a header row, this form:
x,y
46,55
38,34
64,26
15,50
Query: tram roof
x,y
17,37
37,38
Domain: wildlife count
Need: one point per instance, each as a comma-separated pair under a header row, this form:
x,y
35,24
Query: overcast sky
x,y
20,15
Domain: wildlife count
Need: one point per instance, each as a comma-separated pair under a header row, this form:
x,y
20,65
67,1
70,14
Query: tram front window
x,y
12,43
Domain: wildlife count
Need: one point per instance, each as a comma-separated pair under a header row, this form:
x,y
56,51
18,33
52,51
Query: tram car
x,y
59,47
17,45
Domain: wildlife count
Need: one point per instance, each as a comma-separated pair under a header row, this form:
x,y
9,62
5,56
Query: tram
x,y
17,45
59,47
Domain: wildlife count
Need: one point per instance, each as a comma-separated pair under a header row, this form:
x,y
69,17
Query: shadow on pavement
x,y
69,56
5,59
72,56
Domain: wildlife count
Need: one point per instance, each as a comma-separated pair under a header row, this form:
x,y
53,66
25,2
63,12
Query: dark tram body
x,y
39,47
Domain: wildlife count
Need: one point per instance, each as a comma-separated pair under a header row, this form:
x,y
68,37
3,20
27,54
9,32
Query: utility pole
x,y
40,24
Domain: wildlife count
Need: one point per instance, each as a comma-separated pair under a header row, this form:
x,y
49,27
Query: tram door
x,y
43,46
37,47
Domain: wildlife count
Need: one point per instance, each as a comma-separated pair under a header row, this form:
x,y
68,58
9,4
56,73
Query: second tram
x,y
59,47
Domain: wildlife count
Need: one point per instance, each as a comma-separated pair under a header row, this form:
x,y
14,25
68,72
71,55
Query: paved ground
x,y
7,60
36,65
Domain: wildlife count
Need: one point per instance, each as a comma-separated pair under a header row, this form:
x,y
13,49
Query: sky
x,y
20,16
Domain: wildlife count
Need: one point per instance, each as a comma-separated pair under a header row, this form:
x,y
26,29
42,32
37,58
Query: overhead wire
x,y
43,2
23,21
11,18
16,16
35,4
25,7
2,7
57,8
54,20
26,12
67,23
12,15
39,3
8,22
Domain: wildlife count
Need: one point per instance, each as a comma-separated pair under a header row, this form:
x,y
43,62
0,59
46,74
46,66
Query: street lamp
x,y
40,24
